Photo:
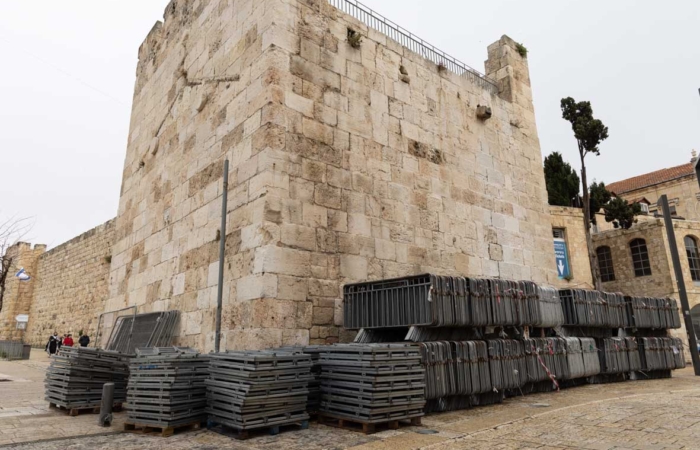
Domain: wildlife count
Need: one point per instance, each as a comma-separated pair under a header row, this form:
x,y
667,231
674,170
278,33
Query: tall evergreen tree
x,y
562,181
589,133
621,213
599,197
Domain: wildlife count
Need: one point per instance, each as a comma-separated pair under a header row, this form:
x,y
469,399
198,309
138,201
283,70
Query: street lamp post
x,y
680,282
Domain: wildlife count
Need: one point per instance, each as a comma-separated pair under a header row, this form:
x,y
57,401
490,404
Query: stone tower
x,y
19,294
350,161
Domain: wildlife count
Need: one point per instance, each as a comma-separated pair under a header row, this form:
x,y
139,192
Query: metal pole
x,y
685,306
222,250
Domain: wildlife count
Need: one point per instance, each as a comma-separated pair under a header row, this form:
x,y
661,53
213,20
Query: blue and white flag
x,y
22,275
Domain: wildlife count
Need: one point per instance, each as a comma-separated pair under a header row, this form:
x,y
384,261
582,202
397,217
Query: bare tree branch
x,y
12,231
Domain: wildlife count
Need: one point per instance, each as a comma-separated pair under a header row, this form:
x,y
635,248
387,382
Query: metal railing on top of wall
x,y
412,42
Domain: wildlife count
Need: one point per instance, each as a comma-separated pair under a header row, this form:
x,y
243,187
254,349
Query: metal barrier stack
x,y
370,384
614,357
166,388
443,301
546,359
251,390
143,331
76,375
507,364
632,347
550,313
593,309
660,354
451,318
655,313
455,369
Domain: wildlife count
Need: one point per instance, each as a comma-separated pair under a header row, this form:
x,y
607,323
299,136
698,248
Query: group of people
x,y
55,342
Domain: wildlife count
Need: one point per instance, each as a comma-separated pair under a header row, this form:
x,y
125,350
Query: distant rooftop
x,y
651,179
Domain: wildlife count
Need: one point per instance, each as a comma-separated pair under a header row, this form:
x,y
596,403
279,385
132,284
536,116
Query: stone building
x,y
352,158
567,226
638,262
679,183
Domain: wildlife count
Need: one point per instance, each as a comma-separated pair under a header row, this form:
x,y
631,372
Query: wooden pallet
x,y
88,410
359,425
242,435
162,431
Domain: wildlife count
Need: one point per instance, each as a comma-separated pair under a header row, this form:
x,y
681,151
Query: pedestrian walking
x,y
84,340
53,345
68,340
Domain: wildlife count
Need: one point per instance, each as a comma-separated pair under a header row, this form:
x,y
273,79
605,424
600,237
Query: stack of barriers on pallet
x,y
166,390
365,385
257,390
443,301
76,376
314,400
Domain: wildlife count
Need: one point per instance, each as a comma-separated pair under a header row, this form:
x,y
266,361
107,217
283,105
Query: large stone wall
x,y
347,164
571,220
70,286
19,295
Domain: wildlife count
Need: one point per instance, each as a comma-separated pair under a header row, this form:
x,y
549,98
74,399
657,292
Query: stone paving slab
x,y
644,415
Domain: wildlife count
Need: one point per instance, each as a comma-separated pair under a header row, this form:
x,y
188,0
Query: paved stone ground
x,y
641,415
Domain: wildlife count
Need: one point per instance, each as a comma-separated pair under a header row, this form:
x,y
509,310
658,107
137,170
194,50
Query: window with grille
x,y
691,249
605,263
640,258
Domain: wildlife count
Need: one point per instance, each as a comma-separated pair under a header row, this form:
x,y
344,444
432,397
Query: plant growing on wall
x,y
621,213
11,231
589,133
562,181
522,50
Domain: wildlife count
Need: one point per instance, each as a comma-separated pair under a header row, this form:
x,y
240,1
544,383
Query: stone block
x,y
353,267
284,261
297,236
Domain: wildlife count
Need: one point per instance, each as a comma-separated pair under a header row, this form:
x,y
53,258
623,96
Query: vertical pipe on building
x,y
685,306
222,250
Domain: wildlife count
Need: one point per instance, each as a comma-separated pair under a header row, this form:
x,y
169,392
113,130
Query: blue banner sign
x,y
562,258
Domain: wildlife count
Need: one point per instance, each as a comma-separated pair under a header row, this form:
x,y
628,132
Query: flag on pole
x,y
22,275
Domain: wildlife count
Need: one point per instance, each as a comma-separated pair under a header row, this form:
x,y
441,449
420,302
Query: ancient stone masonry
x,y
71,286
19,294
350,161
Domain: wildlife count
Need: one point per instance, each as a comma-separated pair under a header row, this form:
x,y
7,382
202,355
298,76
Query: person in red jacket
x,y
68,340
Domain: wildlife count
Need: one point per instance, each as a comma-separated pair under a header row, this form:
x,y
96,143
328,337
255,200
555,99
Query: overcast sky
x,y
67,76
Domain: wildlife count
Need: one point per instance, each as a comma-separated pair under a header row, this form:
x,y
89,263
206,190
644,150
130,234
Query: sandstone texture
x,y
348,163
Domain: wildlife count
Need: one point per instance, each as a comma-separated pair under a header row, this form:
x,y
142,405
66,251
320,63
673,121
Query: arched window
x,y
605,263
691,249
640,258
